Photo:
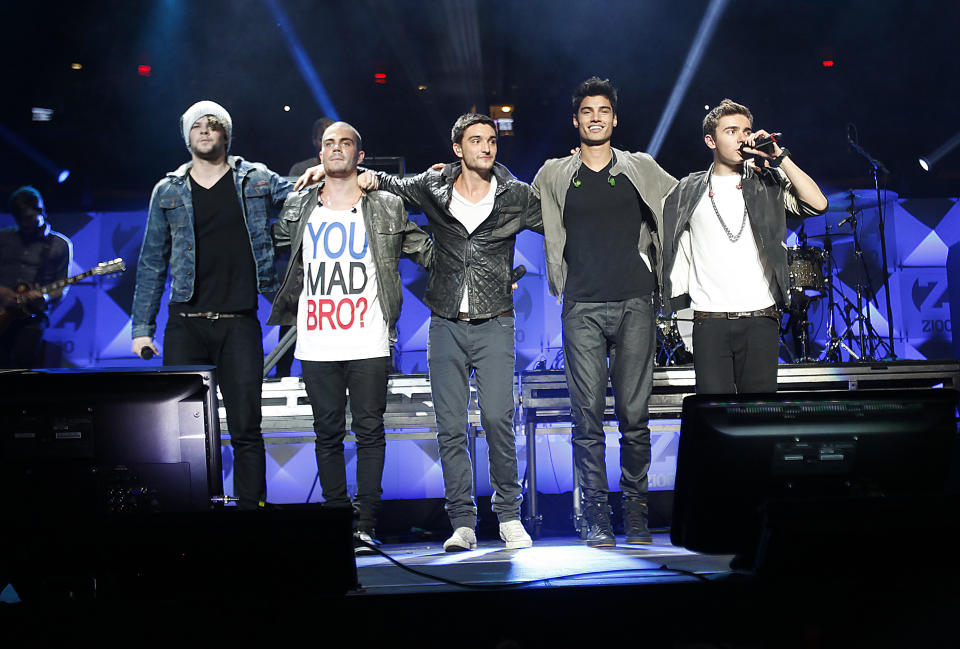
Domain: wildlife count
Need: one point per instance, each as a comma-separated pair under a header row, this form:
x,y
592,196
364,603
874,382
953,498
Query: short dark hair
x,y
25,197
724,108
319,127
593,87
467,120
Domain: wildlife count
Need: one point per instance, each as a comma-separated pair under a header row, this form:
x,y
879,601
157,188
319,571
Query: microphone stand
x,y
876,169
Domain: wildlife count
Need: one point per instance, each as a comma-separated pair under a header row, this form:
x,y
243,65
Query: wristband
x,y
784,153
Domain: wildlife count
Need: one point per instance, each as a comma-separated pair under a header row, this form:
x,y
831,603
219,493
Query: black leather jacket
x,y
483,259
389,231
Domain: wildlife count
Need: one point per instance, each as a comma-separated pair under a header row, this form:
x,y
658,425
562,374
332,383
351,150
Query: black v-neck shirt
x,y
603,227
226,275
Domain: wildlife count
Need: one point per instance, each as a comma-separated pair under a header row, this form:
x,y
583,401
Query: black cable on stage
x,y
518,584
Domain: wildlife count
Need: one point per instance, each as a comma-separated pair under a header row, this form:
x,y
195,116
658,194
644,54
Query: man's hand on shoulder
x,y
312,175
368,181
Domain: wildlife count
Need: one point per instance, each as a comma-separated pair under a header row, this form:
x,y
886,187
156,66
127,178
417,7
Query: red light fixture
x,y
380,77
828,63
144,70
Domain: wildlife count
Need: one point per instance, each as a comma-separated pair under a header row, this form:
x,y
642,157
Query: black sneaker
x,y
364,543
635,520
599,528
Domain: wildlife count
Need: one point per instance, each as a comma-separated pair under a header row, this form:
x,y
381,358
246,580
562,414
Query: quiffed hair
x,y
593,87
724,108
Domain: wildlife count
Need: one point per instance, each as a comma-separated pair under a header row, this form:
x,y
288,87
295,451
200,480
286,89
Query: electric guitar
x,y
10,313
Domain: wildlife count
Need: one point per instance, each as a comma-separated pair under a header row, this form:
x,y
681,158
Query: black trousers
x,y
624,332
327,383
736,356
235,346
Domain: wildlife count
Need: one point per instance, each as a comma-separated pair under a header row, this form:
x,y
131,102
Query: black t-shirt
x,y
226,275
603,227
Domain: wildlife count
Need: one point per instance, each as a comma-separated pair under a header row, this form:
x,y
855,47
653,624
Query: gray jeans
x,y
485,347
624,332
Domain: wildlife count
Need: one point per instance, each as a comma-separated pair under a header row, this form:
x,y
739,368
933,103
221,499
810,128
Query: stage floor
x,y
551,562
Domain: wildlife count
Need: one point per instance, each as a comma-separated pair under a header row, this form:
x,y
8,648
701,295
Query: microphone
x,y
845,221
146,353
517,273
764,144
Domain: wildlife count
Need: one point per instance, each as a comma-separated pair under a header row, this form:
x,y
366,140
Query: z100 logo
x,y
934,326
931,295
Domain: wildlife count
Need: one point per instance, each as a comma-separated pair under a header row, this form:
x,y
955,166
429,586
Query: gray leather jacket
x,y
483,259
389,231
768,198
551,184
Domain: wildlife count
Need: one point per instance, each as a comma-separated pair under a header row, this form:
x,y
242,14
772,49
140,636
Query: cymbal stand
x,y
876,168
831,352
862,322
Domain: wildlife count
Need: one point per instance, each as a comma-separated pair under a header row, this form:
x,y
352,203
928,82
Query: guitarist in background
x,y
31,255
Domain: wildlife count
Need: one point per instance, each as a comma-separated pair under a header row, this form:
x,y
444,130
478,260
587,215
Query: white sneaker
x,y
462,539
516,537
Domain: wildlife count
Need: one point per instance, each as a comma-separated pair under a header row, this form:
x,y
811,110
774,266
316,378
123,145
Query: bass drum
x,y
805,272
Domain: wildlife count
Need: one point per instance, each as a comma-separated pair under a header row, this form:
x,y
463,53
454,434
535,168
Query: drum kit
x,y
813,275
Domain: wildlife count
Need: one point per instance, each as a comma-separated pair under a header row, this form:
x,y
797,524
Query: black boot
x,y
635,520
599,528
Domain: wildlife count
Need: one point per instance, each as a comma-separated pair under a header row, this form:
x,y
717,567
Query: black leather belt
x,y
769,312
465,317
212,315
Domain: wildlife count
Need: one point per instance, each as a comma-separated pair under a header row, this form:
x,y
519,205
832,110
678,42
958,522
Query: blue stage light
x,y
710,20
63,176
300,57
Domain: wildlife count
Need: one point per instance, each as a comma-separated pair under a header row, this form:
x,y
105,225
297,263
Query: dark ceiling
x,y
895,78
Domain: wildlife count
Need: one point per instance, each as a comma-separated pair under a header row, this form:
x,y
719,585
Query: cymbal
x,y
857,199
821,224
835,238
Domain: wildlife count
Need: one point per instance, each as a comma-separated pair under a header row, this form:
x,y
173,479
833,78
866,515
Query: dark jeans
x,y
624,332
485,347
235,346
327,383
736,356
20,343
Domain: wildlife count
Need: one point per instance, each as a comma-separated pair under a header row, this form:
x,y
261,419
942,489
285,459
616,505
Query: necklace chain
x,y
733,237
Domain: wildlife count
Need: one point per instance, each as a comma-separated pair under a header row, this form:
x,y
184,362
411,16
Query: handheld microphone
x,y
764,144
517,273
146,353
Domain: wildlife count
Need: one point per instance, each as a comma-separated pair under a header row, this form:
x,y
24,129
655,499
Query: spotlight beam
x,y
26,149
299,54
927,161
707,26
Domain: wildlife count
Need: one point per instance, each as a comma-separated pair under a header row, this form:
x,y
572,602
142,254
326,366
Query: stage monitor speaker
x,y
110,441
826,463
113,482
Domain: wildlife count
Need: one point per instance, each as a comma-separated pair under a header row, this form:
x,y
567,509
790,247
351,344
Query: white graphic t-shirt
x,y
339,317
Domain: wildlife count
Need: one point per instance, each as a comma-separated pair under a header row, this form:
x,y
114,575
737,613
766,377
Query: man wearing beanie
x,y
208,223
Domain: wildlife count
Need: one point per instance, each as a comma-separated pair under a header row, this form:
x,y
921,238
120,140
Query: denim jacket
x,y
169,237
395,234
